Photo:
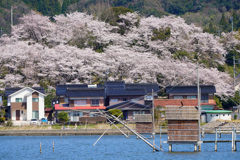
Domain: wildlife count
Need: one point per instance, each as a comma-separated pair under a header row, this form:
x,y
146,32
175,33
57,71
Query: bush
x,y
9,123
2,119
235,117
116,112
63,116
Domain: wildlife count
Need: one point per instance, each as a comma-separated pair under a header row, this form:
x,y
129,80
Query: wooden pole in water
x,y
219,132
160,144
40,148
216,139
53,146
195,148
170,148
153,145
160,132
203,132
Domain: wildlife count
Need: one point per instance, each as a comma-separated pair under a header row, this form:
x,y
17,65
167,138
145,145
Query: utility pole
x,y
234,71
153,134
199,108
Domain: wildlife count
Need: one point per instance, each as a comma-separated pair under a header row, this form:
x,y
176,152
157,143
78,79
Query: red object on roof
x,y
60,107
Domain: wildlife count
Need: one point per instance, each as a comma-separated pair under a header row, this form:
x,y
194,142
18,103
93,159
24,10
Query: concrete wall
x,y
214,117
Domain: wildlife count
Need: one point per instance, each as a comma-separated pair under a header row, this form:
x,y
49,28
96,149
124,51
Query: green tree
x,y
48,99
116,112
218,101
63,117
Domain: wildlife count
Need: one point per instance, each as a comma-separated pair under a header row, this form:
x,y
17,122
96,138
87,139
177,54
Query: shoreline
x,y
76,132
66,132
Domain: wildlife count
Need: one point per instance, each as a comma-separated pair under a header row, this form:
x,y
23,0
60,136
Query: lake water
x,y
108,148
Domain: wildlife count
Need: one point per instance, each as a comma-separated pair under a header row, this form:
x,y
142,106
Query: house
x,y
80,100
130,109
25,103
119,91
183,125
83,100
213,115
131,98
190,92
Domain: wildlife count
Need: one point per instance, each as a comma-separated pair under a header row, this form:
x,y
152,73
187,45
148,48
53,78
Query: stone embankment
x,y
224,126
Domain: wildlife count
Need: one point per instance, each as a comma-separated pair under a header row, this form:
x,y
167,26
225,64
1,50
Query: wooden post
x,y
170,147
199,147
53,146
160,132
216,139
234,140
203,132
219,132
160,144
153,146
40,148
195,148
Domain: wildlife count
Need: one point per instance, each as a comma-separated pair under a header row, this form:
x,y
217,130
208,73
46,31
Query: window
x,y
113,100
81,102
177,97
204,98
138,112
191,97
77,114
18,99
124,99
21,111
35,99
95,102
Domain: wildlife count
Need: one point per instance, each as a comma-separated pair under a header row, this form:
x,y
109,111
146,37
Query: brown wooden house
x,y
182,124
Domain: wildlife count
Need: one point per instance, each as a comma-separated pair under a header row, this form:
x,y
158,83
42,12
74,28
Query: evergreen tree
x,y
223,22
65,5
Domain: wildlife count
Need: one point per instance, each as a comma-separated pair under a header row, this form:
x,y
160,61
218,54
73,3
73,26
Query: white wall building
x,y
213,115
26,103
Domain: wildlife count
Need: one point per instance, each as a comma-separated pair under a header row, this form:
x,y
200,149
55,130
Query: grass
x,y
59,126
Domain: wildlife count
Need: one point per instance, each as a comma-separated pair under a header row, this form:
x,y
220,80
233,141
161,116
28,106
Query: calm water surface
x,y
108,148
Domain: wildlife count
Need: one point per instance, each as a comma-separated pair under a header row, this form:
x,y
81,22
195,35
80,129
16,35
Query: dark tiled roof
x,y
148,87
61,89
115,84
126,92
85,92
128,105
11,90
191,89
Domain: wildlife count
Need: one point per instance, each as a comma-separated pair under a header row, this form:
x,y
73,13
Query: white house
x,y
213,115
25,103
